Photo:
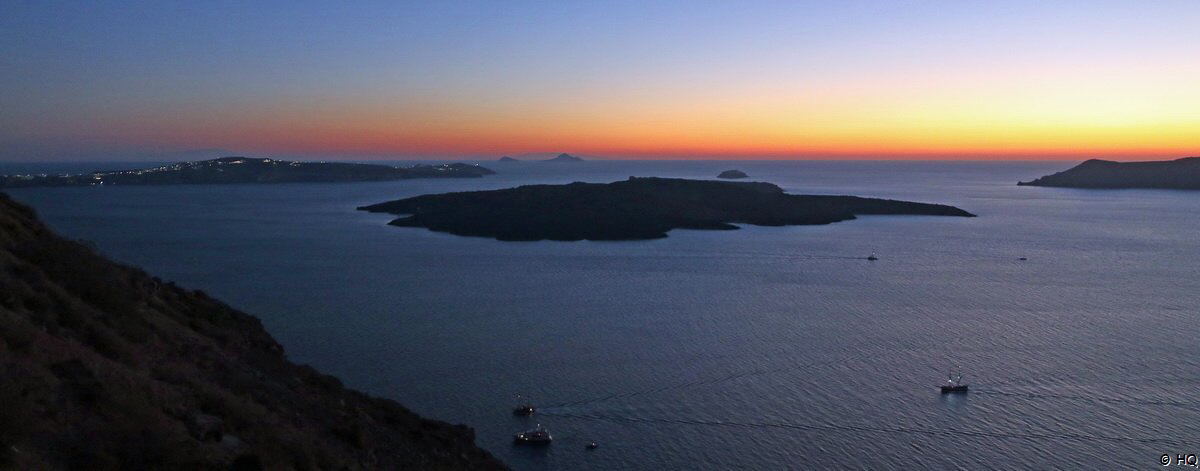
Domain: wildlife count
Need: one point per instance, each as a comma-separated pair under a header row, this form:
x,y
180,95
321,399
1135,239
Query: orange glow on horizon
x,y
699,141
975,117
780,80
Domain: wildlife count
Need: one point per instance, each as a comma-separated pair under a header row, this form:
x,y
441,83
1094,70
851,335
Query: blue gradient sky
x,y
878,79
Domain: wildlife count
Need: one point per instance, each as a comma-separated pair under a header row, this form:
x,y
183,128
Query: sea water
x,y
762,348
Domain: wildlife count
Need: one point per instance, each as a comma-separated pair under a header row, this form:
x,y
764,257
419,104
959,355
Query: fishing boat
x,y
523,407
954,385
534,436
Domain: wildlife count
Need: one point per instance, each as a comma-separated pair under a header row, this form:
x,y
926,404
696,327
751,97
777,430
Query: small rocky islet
x,y
637,208
248,170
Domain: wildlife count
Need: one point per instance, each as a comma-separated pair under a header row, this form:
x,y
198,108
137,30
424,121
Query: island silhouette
x,y
1179,174
562,157
637,208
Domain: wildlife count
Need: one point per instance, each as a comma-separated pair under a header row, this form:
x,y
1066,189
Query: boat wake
x,y
1067,397
863,428
691,384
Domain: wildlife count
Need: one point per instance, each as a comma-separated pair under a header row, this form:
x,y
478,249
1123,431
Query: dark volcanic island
x,y
247,170
638,208
1180,174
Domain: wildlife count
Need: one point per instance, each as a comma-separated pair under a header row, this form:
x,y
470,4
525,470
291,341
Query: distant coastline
x,y
1179,174
247,170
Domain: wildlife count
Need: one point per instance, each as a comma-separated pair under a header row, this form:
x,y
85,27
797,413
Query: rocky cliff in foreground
x,y
106,367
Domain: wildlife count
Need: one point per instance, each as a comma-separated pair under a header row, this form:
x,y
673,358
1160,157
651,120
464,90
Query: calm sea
x,y
763,348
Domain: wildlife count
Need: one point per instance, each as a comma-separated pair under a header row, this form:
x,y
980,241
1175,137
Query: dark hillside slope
x,y
105,367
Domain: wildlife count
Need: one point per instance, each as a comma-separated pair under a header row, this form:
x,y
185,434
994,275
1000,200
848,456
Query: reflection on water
x,y
764,348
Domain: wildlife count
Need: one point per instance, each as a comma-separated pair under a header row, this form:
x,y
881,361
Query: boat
x,y
534,436
872,257
592,446
523,407
954,385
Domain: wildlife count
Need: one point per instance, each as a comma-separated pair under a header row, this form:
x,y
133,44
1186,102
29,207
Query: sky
x,y
891,79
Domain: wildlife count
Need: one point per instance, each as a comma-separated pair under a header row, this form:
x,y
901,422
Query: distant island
x,y
563,157
1180,174
247,170
637,208
732,174
107,367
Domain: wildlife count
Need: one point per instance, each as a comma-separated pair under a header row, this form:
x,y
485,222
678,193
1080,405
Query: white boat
x,y
534,436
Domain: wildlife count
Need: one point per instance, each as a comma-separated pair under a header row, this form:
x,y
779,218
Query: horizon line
x,y
603,158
